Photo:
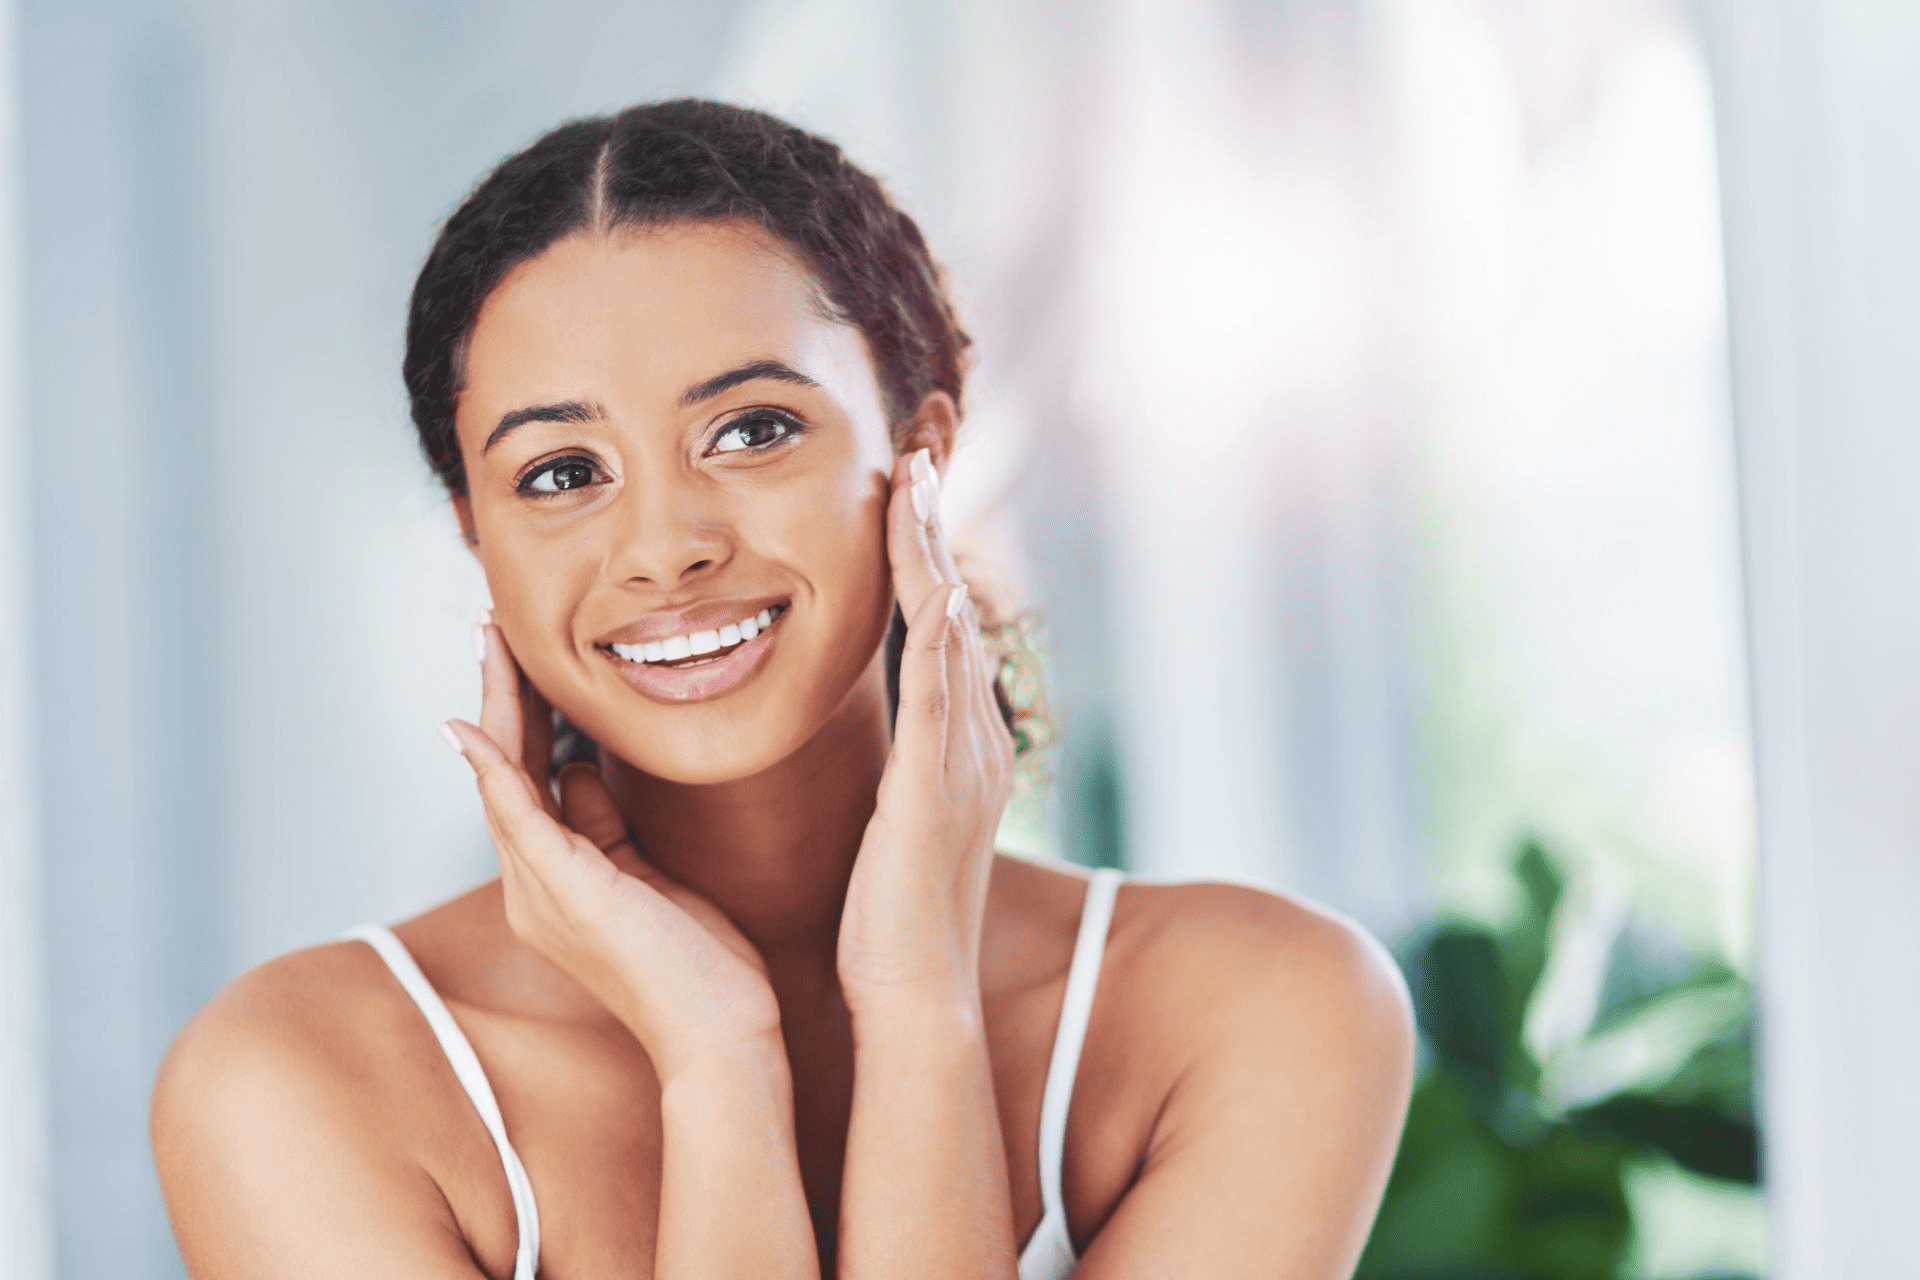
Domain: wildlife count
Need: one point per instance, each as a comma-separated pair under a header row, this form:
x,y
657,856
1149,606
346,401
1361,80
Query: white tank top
x,y
1048,1254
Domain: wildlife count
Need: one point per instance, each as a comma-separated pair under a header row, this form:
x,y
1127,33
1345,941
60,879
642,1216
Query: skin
x,y
806,1032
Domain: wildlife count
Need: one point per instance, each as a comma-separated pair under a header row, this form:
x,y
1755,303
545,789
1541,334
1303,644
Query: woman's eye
x,y
558,476
755,430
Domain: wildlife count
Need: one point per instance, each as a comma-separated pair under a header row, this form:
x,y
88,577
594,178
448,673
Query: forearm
x,y
731,1202
924,1192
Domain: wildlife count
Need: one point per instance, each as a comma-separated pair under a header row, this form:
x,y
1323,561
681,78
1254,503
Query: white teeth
x,y
700,642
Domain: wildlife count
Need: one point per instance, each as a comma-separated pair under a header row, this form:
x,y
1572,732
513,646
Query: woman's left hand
x,y
911,926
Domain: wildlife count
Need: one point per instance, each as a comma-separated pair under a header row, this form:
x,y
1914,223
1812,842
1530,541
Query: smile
x,y
698,648
699,665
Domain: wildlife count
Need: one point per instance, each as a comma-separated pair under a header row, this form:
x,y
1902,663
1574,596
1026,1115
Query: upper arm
x,y
1273,1144
269,1165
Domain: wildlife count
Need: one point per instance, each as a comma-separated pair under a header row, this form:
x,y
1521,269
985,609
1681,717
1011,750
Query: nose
x,y
667,533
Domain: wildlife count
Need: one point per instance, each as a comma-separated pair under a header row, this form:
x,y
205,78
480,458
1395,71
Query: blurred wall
x,y
24,1234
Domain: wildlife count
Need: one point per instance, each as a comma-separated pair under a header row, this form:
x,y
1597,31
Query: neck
x,y
775,851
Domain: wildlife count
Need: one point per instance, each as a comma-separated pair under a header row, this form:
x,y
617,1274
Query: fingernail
x,y
957,601
920,467
922,496
486,617
451,738
480,641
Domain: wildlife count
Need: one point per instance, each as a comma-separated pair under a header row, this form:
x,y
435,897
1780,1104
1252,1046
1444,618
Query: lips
x,y
695,677
692,647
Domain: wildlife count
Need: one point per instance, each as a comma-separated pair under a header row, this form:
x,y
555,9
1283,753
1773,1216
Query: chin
x,y
702,759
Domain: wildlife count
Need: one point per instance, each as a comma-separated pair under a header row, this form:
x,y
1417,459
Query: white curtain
x,y
1817,106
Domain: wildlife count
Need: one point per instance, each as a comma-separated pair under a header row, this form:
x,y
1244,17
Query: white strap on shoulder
x,y
1095,914
474,1080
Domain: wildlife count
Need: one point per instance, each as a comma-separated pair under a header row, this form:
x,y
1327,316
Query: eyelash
x,y
791,429
524,485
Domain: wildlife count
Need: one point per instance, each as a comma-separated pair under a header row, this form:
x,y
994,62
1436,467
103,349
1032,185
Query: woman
x,y
753,994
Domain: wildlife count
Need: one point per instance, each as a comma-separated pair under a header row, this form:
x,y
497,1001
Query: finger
x,y
913,546
513,803
928,678
973,669
501,713
933,528
996,734
977,671
536,732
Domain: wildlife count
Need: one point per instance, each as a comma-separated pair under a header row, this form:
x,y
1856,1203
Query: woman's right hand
x,y
664,960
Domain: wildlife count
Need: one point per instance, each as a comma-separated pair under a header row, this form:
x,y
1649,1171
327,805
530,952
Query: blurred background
x,y
1407,518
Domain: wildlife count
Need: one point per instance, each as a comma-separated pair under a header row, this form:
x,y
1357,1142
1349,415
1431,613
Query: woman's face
x,y
668,446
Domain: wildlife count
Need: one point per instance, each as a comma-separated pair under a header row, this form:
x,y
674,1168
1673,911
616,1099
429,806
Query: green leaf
x,y
1570,1219
1524,942
1699,1137
1459,998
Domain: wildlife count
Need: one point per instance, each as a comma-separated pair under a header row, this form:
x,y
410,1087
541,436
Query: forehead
x,y
651,310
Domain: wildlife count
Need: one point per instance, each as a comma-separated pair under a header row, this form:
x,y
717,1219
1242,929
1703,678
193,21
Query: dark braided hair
x,y
679,162
692,161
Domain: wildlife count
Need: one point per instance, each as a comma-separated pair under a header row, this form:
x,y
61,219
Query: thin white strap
x,y
1095,913
472,1078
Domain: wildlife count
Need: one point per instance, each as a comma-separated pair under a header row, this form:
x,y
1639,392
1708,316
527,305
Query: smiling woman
x,y
754,994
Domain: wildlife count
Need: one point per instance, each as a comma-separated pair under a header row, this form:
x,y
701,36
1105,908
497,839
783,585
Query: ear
x,y
463,512
933,428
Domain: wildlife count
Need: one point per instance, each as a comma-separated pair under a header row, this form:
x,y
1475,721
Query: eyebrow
x,y
565,411
775,370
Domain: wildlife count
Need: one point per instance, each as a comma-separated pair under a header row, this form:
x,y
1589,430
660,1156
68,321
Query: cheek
x,y
533,583
834,533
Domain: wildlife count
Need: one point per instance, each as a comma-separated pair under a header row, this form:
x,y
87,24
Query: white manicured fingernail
x,y
957,601
920,466
451,738
480,641
486,617
922,496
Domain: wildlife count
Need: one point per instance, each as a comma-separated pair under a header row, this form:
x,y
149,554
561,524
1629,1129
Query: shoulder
x,y
297,1023
1216,961
284,1091
1267,1046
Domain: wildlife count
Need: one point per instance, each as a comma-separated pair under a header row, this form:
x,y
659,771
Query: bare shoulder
x,y
299,1022
1209,959
1266,1046
279,1107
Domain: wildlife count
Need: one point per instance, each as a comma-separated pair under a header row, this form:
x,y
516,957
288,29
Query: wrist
x,y
934,1017
735,1067
950,987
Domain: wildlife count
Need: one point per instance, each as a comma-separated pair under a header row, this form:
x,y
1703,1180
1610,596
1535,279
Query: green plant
x,y
1506,1170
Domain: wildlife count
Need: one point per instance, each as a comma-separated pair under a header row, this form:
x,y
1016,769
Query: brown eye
x,y
558,476
761,429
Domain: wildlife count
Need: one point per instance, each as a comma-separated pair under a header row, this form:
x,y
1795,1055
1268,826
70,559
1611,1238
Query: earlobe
x,y
463,514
